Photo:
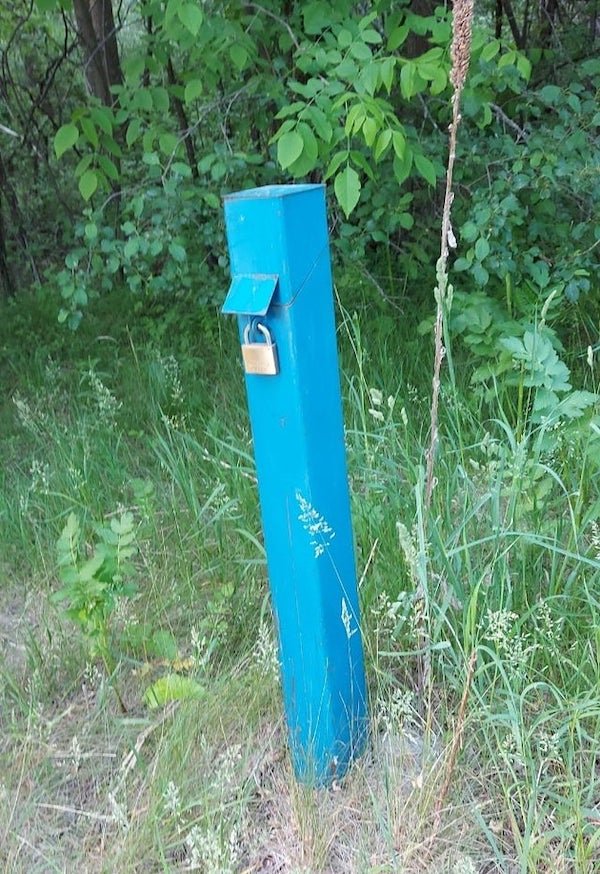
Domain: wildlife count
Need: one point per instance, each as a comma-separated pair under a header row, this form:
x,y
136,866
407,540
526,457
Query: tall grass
x,y
480,620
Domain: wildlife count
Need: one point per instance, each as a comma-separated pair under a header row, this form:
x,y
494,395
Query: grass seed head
x,y
461,42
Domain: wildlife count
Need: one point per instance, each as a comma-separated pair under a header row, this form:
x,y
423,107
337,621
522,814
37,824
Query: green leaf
x,y
134,67
429,70
383,141
361,51
490,50
524,67
359,159
407,80
550,94
133,131
513,345
370,129
131,248
238,55
177,252
210,198
347,189
65,138
461,264
160,99
108,167
142,99
89,570
371,36
88,184
335,163
172,687
575,404
540,273
317,17
480,274
82,165
310,152
111,145
402,166
87,126
320,122
67,546
355,118
369,77
507,59
425,168
386,72
545,406
344,38
151,159
193,90
289,148
397,37
347,70
191,17
482,248
439,81
103,117
167,143
180,169
399,143
469,231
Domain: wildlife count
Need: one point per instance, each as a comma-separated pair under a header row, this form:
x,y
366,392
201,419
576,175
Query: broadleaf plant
x,y
93,584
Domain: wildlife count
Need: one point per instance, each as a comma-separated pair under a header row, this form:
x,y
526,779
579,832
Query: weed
x,y
94,585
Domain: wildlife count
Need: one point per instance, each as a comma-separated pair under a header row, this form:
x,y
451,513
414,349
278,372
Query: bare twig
x,y
380,289
76,811
368,563
460,51
503,117
281,21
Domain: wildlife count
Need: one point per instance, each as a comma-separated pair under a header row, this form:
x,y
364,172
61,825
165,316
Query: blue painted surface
x,y
298,434
252,294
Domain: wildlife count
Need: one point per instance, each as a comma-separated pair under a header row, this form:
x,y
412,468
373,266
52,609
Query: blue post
x,y
282,292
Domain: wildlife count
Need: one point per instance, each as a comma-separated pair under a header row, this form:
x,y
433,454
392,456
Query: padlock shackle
x,y
256,325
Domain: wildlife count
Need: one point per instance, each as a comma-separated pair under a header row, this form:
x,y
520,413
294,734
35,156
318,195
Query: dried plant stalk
x,y
460,53
457,741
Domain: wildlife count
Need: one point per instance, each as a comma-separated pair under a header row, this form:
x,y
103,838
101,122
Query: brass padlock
x,y
260,358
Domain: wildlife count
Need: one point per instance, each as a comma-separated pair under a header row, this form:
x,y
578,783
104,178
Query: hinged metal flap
x,y
250,294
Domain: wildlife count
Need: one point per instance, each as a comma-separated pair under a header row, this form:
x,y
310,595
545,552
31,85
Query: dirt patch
x,y
16,621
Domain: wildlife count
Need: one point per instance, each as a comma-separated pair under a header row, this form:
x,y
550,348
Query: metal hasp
x,y
280,263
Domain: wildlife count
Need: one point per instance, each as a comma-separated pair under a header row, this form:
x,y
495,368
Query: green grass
x,y
144,411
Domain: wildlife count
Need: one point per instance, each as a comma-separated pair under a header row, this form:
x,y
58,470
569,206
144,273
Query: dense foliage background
x,y
123,126
138,673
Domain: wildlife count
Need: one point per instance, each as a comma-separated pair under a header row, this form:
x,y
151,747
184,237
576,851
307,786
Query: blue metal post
x,y
280,263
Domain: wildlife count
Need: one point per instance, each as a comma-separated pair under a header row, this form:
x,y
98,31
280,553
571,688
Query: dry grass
x,y
84,789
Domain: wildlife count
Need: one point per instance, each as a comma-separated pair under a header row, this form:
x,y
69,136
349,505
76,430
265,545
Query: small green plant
x,y
93,584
